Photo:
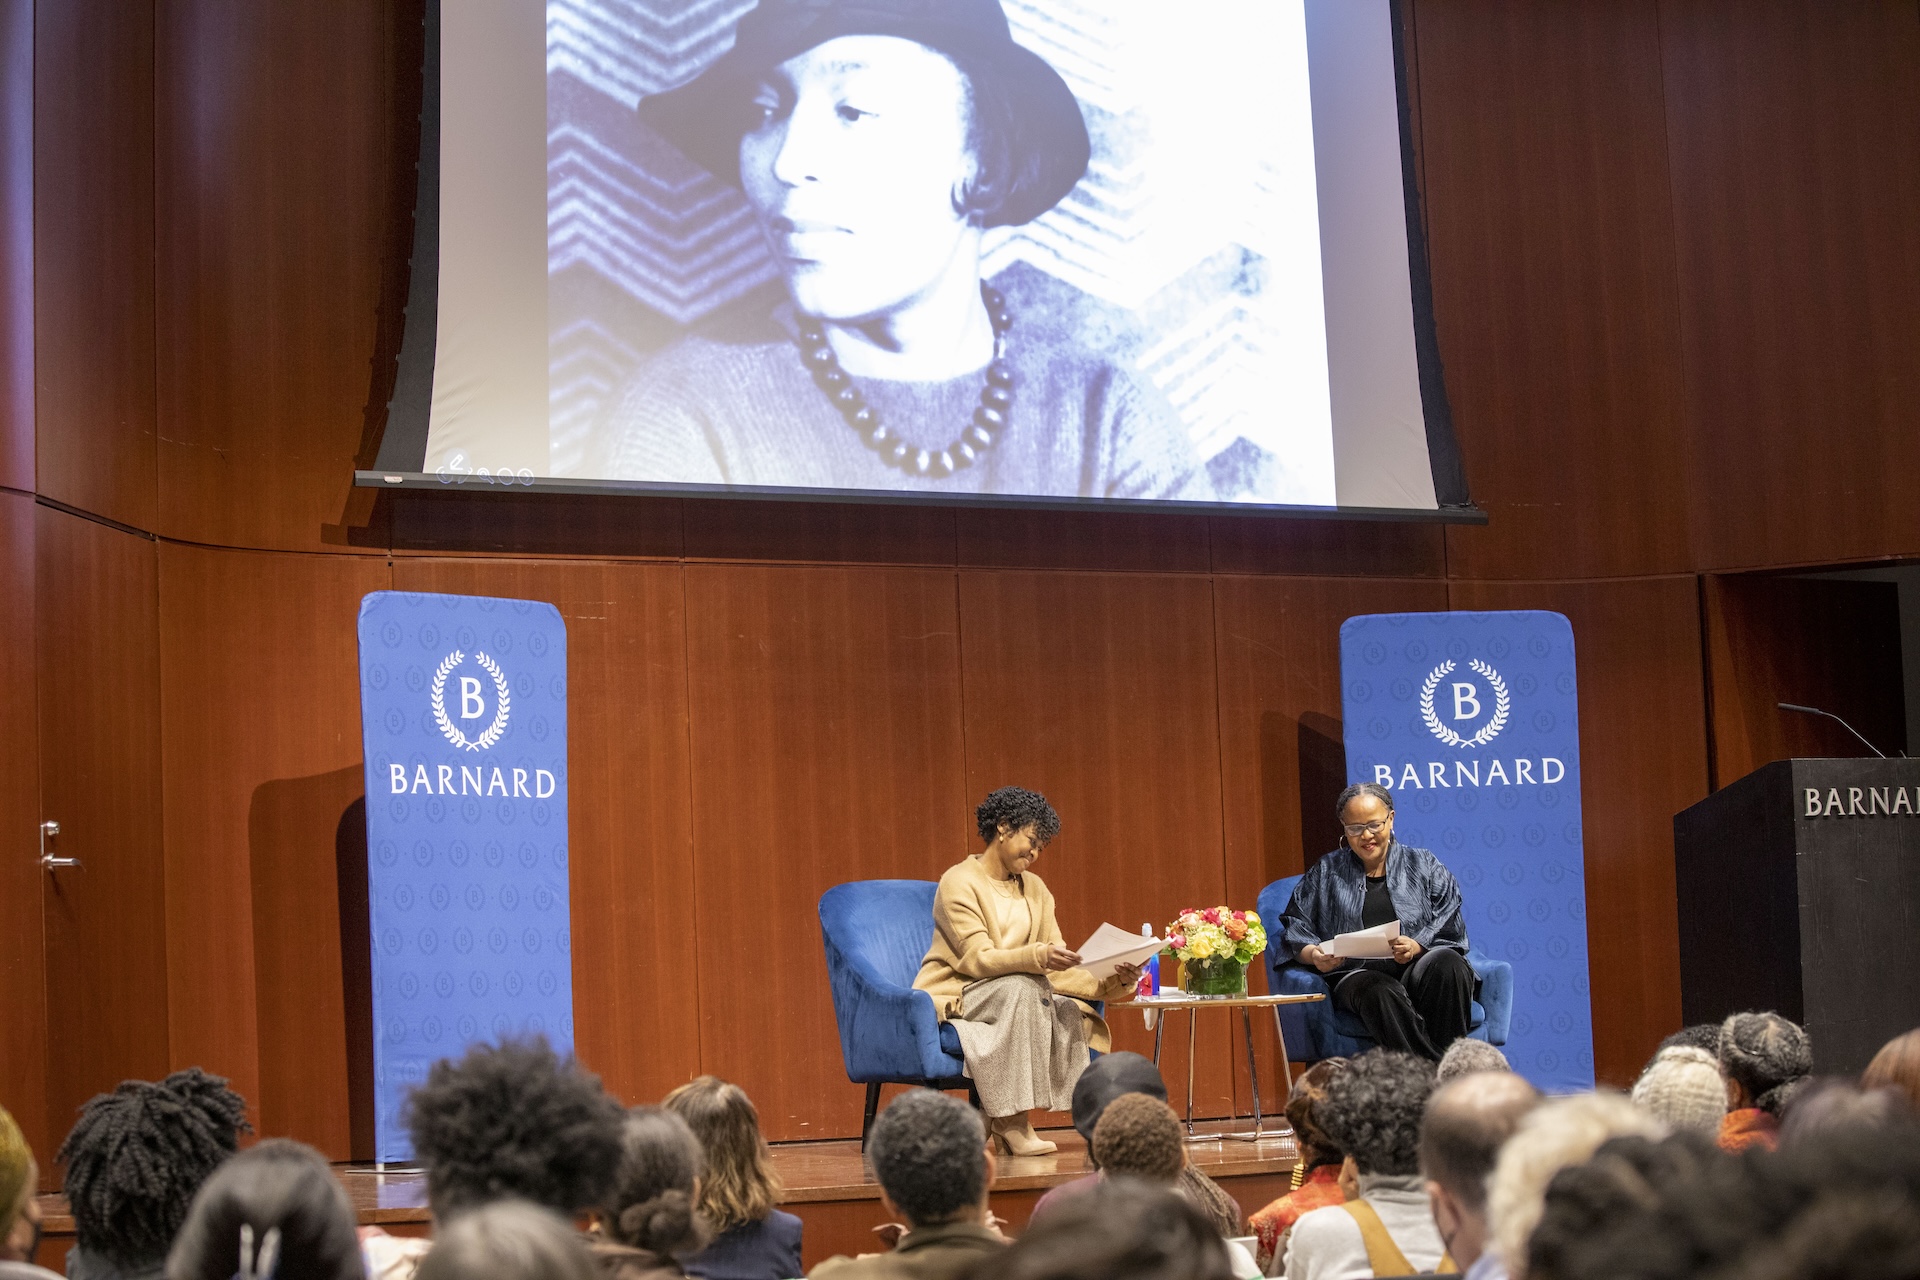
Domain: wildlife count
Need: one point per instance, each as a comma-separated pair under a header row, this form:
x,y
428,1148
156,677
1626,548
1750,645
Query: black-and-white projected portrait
x,y
1065,249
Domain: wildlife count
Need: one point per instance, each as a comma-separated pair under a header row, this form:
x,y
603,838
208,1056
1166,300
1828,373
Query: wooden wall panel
x,y
630,857
1542,145
272,131
16,245
1643,758
1099,691
1828,644
96,627
23,1048
1282,752
1792,131
93,316
260,689
827,746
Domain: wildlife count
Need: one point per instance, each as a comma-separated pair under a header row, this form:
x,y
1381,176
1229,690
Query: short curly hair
x,y
929,1155
514,1121
1139,1135
1767,1055
1015,808
137,1156
1373,1110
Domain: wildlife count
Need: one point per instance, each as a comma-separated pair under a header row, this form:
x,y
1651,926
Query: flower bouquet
x,y
1215,946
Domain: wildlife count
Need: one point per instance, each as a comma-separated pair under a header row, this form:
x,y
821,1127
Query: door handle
x,y
48,859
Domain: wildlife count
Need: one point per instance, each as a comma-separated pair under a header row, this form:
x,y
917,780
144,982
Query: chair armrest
x,y
1496,994
887,1032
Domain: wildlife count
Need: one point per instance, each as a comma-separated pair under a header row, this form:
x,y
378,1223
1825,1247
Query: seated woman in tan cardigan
x,y
999,971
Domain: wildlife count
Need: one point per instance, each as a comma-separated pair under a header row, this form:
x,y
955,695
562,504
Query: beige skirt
x,y
1025,1044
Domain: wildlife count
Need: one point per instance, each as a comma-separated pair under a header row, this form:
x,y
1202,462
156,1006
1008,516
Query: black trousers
x,y
1419,1008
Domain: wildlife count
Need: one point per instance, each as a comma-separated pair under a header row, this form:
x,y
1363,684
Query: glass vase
x,y
1214,976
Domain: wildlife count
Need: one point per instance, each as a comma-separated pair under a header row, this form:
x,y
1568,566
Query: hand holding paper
x,y
1365,944
1111,946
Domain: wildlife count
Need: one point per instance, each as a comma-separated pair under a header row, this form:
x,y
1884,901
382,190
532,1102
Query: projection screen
x,y
1052,252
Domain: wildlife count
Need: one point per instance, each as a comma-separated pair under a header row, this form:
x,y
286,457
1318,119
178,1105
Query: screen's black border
x,y
403,438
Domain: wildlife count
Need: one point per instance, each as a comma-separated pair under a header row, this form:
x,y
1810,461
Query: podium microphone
x,y
1815,711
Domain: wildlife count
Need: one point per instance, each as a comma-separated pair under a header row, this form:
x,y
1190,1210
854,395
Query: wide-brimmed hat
x,y
706,117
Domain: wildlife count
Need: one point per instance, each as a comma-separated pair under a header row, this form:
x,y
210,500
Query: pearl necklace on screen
x,y
989,417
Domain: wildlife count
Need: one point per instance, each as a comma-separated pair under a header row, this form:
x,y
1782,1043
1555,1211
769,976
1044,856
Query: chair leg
x,y
873,1109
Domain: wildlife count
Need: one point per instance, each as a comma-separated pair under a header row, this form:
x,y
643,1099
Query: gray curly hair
x,y
1767,1055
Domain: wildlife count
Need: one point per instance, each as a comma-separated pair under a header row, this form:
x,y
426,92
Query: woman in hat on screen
x,y
877,142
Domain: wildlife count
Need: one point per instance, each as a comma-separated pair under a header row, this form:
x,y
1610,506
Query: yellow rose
x,y
1200,948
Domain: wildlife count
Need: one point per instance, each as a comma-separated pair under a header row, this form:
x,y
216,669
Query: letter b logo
x,y
1465,705
471,708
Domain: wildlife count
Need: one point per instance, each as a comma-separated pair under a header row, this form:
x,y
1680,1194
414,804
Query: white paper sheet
x,y
1111,946
1365,944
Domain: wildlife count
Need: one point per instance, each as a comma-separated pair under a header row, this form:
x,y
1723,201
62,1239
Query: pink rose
x,y
1178,942
1212,915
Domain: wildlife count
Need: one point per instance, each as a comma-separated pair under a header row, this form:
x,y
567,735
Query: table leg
x,y
1253,1069
1191,1020
1286,1059
1159,1026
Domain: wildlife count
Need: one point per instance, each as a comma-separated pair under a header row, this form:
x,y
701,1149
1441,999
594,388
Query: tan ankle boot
x,y
1014,1136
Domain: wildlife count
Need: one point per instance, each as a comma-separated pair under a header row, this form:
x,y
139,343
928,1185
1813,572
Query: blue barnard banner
x,y
463,709
1472,719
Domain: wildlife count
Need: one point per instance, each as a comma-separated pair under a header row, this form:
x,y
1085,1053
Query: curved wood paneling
x,y
272,127
93,313
23,1049
826,744
96,624
260,685
1792,131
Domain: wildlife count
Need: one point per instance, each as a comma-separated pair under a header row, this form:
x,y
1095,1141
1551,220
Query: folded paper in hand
x,y
1367,944
1111,946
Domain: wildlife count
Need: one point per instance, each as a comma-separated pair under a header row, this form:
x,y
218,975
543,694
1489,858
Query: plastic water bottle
x,y
1150,972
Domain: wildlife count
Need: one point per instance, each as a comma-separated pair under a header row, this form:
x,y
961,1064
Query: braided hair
x,y
137,1155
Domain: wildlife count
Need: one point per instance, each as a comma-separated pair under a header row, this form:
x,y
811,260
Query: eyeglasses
x,y
1366,828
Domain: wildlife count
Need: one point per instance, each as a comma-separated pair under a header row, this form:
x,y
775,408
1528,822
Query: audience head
x,y
137,1156
19,1176
1466,1056
507,1240
1897,1066
929,1155
514,1122
291,1207
1683,1086
1557,1133
1110,1076
1317,1147
1701,1035
1140,1137
740,1185
1373,1110
1467,1122
651,1204
1623,1212
1123,1229
1763,1057
1833,1106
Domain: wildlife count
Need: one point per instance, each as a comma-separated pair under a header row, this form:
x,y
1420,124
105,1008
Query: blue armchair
x,y
876,934
1327,1032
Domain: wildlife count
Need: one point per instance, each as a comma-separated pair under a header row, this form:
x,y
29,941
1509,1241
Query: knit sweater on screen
x,y
747,413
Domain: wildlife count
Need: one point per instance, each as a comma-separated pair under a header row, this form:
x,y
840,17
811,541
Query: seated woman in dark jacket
x,y
1421,1000
651,1217
752,1240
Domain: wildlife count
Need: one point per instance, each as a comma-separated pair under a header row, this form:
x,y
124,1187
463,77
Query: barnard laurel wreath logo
x,y
472,705
1466,704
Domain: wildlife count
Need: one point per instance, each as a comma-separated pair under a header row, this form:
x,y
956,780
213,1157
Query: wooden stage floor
x,y
831,1187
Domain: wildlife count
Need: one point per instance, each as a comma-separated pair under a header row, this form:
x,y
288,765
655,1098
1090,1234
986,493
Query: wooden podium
x,y
1799,891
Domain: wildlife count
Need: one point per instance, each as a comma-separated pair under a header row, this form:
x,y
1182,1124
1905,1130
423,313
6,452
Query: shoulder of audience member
x,y
1325,1228
872,1266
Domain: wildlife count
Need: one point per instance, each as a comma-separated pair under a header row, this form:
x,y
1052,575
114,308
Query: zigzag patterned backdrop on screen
x,y
1167,268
